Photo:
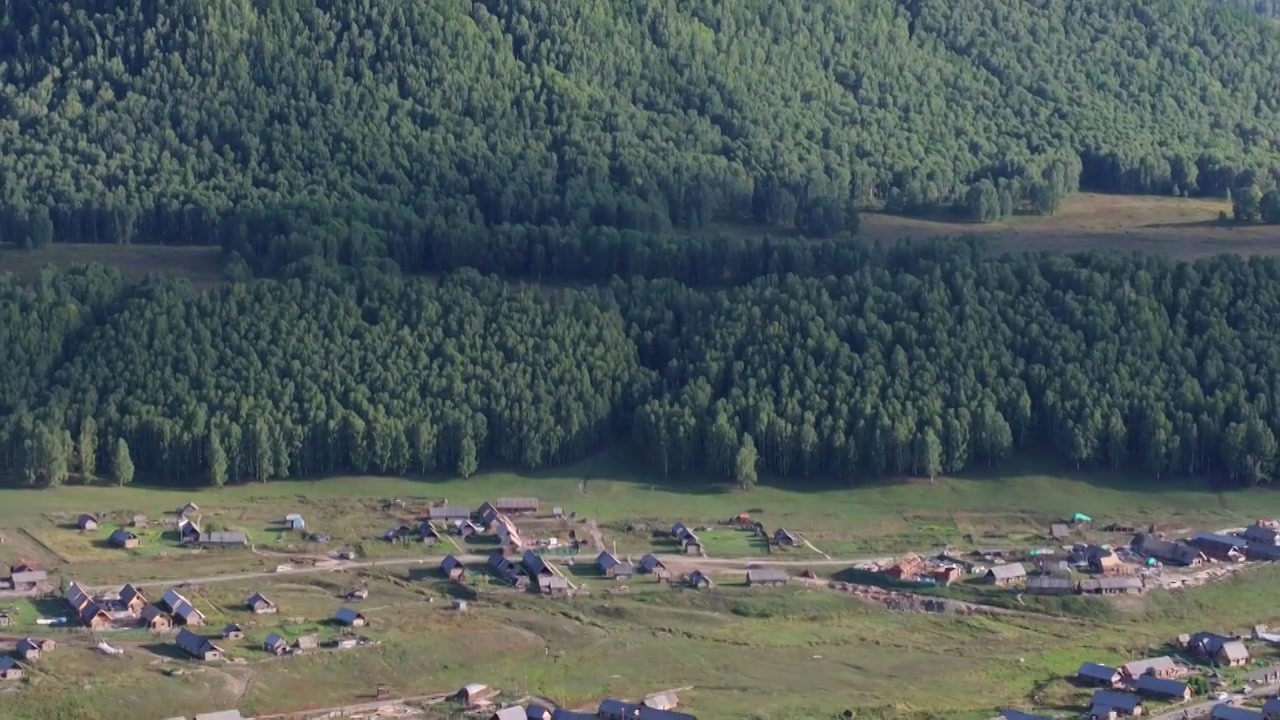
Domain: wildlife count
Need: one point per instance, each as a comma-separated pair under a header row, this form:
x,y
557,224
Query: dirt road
x,y
469,559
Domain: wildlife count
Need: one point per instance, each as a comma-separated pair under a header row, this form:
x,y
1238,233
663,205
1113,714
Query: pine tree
x,y
745,463
87,448
121,463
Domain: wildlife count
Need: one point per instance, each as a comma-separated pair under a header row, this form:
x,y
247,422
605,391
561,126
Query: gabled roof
x,y
151,612
1125,702
1225,541
1258,532
562,714
1263,551
1235,650
172,598
650,562
697,576
1164,550
516,503
27,645
187,612
554,582
90,612
1157,687
347,616
1050,582
1209,642
534,563
29,577
121,536
427,530
766,575
449,512
785,533
259,598
129,593
1111,583
515,712
193,643
449,563
275,640
612,707
678,530
1157,665
8,663
85,519
1223,711
605,560
1094,671
76,596
1007,572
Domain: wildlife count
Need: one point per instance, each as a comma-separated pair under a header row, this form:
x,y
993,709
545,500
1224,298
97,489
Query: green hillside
x,y
355,128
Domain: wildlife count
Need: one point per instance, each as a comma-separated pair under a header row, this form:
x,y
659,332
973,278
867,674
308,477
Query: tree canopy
x,y
924,358
375,128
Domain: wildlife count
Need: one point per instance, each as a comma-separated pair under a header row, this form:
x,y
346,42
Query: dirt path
x,y
468,559
810,545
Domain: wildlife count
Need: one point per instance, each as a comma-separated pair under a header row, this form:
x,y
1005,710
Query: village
x,y
512,547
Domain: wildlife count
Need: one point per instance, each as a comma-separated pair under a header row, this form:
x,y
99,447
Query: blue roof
x,y
1151,685
1094,671
8,663
346,615
1218,539
275,639
609,706
1117,700
1230,712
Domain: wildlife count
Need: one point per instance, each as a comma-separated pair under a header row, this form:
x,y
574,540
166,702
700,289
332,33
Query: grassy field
x,y
746,653
202,265
1182,227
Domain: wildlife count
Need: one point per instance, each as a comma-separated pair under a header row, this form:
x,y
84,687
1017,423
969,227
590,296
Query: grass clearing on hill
x,y
201,265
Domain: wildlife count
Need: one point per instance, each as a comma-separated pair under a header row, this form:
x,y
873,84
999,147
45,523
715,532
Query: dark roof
x,y
1209,642
1226,541
649,562
605,560
1157,687
1223,711
76,595
609,706
27,644
1094,671
1124,702
91,611
193,643
275,640
699,576
679,530
426,530
85,519
534,563
562,714
121,536
129,592
8,663
172,598
347,616
259,598
1262,551
449,563
785,533
1261,533
151,611
186,611
1164,550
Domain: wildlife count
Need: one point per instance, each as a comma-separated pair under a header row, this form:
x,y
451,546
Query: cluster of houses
x,y
1122,690
1259,541
462,521
24,579
659,706
687,539
27,650
130,608
205,649
188,529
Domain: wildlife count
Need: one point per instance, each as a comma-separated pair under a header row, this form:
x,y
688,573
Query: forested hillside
x,y
922,359
349,129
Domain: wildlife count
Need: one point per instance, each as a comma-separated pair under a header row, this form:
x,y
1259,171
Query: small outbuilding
x,y
124,539
233,632
275,644
156,620
452,568
699,580
260,605
87,522
350,618
770,577
306,642
9,668
295,522
1009,574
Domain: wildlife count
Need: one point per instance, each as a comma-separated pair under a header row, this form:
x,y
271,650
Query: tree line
x,y
923,358
371,128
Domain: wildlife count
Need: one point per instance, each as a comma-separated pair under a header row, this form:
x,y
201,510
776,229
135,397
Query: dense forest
x,y
924,358
353,129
